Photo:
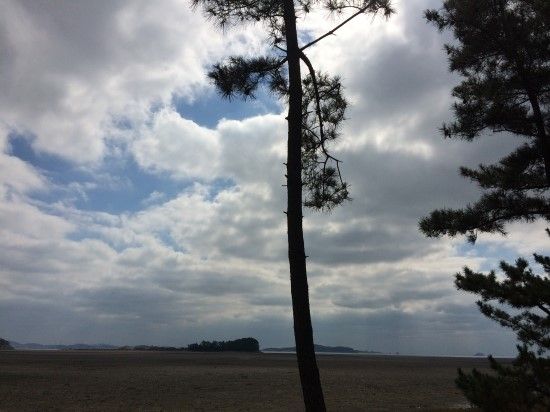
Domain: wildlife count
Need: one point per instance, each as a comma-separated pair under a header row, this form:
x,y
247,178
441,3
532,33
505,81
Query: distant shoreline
x,y
262,352
319,350
322,349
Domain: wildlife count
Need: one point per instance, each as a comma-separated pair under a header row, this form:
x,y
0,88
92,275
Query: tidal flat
x,y
183,381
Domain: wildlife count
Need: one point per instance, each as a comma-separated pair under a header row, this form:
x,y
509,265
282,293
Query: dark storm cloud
x,y
384,290
394,298
127,301
359,244
213,284
271,299
407,77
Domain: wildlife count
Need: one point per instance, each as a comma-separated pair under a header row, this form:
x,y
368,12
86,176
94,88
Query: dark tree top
x,y
502,51
5,345
238,345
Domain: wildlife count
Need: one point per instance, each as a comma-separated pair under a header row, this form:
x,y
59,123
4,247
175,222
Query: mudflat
x,y
182,381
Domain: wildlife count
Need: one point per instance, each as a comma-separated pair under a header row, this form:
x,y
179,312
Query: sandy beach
x,y
170,381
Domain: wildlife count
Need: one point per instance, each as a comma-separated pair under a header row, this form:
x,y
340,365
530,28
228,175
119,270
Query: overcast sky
x,y
137,207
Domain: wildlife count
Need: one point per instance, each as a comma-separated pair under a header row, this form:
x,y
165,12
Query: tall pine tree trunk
x,y
303,331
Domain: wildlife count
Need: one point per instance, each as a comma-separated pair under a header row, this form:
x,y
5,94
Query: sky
x,y
138,207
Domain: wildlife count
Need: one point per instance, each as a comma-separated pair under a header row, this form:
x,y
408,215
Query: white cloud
x,y
211,259
249,151
178,146
70,70
254,149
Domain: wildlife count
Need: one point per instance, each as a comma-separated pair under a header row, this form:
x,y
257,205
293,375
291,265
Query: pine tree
x,y
525,385
315,111
503,54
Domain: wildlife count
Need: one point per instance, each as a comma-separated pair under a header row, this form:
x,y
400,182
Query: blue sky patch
x,y
208,110
20,146
491,252
118,185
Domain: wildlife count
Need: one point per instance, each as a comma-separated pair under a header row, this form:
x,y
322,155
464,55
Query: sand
x,y
170,381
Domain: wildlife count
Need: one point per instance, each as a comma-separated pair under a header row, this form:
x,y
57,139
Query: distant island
x,y
321,349
239,345
5,345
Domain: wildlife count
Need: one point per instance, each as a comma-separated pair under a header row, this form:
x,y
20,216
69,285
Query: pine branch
x,y
322,139
369,6
332,31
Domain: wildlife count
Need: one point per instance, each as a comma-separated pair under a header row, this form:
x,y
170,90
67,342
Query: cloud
x,y
179,146
95,83
250,150
74,72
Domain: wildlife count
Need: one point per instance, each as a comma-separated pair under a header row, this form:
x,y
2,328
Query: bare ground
x,y
170,381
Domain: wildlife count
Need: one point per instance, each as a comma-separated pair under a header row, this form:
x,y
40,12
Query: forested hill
x,y
76,346
238,345
5,345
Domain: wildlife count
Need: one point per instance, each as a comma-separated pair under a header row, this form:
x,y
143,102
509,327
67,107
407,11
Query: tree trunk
x,y
541,132
303,331
512,54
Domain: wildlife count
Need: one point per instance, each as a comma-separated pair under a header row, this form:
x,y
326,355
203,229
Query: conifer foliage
x,y
315,111
525,385
502,52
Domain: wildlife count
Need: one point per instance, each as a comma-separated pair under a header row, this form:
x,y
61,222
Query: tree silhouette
x,y
524,386
238,345
315,111
503,54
